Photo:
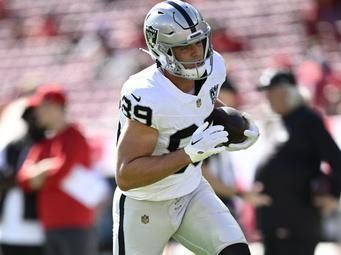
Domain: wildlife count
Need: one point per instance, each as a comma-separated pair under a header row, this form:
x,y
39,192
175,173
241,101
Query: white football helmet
x,y
175,23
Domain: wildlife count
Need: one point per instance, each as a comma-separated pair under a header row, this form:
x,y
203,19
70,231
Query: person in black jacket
x,y
21,232
291,175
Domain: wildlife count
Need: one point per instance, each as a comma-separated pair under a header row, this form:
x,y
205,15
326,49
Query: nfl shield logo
x,y
145,219
198,102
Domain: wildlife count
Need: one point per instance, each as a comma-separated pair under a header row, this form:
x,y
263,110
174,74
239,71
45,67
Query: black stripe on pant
x,y
121,246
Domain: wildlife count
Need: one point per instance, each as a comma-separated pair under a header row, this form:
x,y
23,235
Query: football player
x,y
163,138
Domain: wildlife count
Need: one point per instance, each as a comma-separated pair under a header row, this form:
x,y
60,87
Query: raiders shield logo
x,y
151,34
214,93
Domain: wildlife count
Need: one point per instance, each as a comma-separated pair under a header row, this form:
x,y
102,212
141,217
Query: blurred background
x,y
90,47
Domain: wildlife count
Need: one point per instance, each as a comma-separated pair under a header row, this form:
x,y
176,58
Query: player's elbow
x,y
122,184
122,179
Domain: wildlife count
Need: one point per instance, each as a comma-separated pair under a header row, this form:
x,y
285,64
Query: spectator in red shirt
x,y
68,222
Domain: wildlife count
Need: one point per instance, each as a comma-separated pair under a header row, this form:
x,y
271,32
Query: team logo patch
x,y
145,219
151,34
214,93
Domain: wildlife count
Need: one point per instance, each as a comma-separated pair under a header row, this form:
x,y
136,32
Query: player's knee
x,y
238,248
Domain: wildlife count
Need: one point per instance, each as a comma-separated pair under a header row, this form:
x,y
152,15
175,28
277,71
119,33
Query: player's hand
x,y
204,142
252,135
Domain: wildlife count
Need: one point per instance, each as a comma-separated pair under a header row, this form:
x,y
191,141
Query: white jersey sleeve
x,y
135,104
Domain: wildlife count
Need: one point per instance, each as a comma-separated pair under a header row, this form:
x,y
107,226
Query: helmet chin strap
x,y
194,73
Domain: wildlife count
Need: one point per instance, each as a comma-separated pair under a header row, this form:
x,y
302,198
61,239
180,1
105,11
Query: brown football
x,y
232,120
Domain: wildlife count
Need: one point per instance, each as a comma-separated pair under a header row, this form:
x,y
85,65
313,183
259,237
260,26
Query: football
x,y
232,120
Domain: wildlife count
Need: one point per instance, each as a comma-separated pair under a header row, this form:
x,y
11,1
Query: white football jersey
x,y
152,99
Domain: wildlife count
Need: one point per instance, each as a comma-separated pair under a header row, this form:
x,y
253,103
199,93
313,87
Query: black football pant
x,y
20,250
273,246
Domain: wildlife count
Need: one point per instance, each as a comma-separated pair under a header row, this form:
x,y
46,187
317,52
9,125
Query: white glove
x,y
204,142
252,135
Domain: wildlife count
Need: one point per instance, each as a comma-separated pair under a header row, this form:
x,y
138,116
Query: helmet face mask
x,y
172,24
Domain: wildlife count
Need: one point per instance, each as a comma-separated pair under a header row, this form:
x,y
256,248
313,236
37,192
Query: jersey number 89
x,y
143,114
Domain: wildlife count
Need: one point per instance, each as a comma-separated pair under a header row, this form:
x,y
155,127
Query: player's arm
x,y
136,167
